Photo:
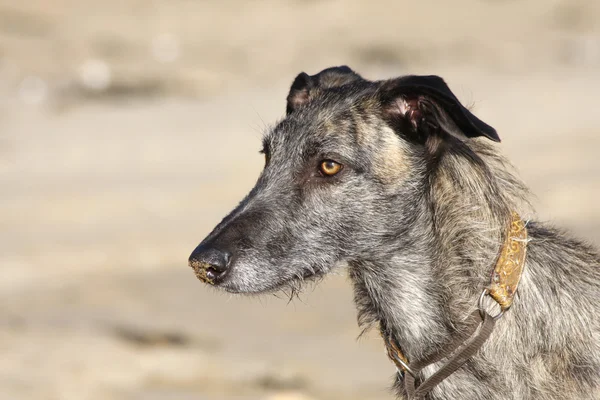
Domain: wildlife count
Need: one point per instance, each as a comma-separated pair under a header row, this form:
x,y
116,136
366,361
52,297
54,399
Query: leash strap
x,y
461,356
472,323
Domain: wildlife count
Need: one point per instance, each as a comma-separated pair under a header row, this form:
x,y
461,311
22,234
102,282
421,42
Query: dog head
x,y
344,176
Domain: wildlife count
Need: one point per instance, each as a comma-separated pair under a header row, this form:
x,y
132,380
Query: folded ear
x,y
427,106
304,84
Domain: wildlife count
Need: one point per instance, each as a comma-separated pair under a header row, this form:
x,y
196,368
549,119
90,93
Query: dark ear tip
x,y
477,126
493,135
344,68
301,82
299,92
486,131
340,69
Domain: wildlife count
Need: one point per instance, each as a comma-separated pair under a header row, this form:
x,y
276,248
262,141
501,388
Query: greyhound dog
x,y
400,183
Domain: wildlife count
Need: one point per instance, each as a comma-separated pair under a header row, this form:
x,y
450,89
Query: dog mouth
x,y
293,286
290,286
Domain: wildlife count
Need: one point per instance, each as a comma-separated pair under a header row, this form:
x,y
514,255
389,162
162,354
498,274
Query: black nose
x,y
209,264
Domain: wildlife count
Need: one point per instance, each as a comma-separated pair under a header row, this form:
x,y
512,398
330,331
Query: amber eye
x,y
330,167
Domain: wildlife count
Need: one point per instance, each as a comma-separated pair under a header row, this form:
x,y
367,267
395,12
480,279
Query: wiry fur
x,y
419,220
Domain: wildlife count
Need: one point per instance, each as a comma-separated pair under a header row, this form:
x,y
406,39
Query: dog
x,y
400,183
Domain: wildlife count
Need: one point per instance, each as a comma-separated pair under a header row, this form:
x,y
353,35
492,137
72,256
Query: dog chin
x,y
241,286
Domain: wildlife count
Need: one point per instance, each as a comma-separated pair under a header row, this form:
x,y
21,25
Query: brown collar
x,y
510,264
502,288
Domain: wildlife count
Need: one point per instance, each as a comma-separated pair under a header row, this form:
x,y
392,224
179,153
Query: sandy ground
x,y
128,129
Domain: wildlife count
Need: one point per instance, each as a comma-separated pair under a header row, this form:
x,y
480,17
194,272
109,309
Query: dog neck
x,y
423,290
404,295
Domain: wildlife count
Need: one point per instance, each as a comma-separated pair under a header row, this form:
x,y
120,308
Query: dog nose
x,y
209,264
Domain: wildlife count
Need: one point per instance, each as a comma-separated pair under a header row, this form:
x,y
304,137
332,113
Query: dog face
x,y
344,171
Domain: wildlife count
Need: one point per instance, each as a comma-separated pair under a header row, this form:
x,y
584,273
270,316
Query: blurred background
x,y
129,128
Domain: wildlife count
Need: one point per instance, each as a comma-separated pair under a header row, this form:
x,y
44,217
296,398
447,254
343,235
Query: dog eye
x,y
266,154
330,167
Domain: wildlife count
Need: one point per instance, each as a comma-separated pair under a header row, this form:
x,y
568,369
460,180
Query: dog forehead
x,y
346,116
335,112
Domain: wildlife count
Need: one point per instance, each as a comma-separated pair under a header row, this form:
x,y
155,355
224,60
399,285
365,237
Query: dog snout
x,y
209,263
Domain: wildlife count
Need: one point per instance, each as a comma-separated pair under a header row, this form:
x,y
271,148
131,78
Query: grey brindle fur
x,y
418,214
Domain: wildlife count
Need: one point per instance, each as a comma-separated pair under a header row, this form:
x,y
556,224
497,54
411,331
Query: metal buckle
x,y
482,309
398,360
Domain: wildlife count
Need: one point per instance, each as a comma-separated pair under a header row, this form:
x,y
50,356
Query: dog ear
x,y
304,84
426,106
299,91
